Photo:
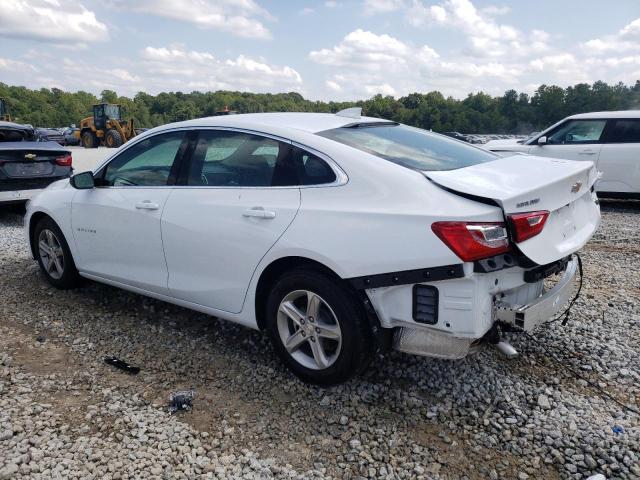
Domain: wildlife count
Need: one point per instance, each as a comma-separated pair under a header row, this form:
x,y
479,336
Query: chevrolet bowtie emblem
x,y
29,156
576,187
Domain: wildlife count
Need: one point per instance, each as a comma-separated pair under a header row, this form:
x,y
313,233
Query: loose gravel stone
x,y
64,413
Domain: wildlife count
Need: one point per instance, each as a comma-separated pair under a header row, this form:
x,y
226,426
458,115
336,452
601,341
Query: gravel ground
x,y
66,414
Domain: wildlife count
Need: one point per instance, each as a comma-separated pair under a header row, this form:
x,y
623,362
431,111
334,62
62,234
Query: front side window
x,y
577,132
410,147
625,131
146,164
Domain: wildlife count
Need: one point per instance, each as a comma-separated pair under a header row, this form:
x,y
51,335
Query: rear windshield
x,y
15,135
410,147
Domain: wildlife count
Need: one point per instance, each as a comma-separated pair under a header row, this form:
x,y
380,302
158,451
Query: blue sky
x,y
340,49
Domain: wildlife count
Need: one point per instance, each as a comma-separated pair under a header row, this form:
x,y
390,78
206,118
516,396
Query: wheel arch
x,y
274,270
33,221
285,264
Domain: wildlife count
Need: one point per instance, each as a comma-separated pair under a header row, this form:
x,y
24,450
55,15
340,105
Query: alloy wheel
x,y
309,329
51,254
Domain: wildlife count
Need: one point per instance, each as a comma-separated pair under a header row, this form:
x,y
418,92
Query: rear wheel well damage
x,y
271,274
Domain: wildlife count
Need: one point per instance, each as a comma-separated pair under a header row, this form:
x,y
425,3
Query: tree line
x,y
514,112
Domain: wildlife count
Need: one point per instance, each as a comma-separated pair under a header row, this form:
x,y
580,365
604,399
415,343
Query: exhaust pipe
x,y
492,337
506,349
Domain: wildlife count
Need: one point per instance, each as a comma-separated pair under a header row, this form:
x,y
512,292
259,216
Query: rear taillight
x,y
473,241
527,225
65,160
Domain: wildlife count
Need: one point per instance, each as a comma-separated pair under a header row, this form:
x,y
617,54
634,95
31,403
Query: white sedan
x,y
339,235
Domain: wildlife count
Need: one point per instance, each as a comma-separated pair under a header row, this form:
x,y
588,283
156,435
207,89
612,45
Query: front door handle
x,y
259,212
147,205
587,152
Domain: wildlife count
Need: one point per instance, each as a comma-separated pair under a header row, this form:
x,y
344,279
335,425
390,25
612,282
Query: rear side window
x,y
575,132
311,169
625,131
237,159
410,147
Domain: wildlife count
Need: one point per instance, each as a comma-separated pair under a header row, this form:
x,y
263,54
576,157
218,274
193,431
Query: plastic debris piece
x,y
122,365
617,429
181,400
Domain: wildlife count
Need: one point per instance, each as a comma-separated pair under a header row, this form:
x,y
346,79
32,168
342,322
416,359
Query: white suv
x,y
609,139
336,234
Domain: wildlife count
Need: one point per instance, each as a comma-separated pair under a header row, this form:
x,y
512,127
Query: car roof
x,y
15,126
611,114
303,121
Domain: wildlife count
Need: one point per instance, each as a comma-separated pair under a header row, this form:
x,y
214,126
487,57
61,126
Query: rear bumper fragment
x,y
542,309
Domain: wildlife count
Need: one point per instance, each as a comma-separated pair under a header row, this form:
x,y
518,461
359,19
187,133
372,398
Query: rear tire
x,y
317,328
54,256
90,140
112,139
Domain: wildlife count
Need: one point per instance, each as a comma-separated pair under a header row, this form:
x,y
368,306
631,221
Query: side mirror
x,y
83,181
542,140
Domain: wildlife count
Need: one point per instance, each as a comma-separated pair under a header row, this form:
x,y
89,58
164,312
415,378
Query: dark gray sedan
x,y
27,165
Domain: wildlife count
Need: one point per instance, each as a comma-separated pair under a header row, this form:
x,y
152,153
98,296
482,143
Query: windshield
x,y
112,111
16,135
410,147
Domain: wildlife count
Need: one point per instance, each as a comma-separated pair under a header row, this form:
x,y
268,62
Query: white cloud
x,y
486,37
241,18
368,63
365,49
15,65
177,68
333,85
307,11
495,10
62,21
383,89
373,7
627,39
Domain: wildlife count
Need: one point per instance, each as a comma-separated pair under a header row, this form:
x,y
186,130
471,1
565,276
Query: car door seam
x,y
164,253
269,249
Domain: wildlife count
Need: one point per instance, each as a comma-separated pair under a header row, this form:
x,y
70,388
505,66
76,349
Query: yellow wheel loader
x,y
4,114
105,127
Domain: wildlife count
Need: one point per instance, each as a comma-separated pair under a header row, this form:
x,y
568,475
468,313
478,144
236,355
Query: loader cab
x,y
103,112
4,115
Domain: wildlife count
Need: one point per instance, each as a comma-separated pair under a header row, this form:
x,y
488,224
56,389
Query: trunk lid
x,y
30,159
526,183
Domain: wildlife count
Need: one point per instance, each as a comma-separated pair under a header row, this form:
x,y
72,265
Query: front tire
x,y
54,256
317,328
113,139
90,140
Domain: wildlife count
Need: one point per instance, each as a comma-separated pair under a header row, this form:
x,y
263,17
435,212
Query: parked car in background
x,y
28,165
336,234
50,135
70,136
610,139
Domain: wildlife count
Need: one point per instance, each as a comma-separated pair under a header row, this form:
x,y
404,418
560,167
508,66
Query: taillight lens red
x,y
65,160
528,224
473,241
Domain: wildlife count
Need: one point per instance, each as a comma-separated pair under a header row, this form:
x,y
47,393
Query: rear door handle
x,y
259,212
587,152
147,205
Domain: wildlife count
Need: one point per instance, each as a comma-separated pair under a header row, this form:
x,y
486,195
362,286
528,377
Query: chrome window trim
x,y
341,176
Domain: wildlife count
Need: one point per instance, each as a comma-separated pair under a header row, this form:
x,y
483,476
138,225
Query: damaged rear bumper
x,y
527,317
470,307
